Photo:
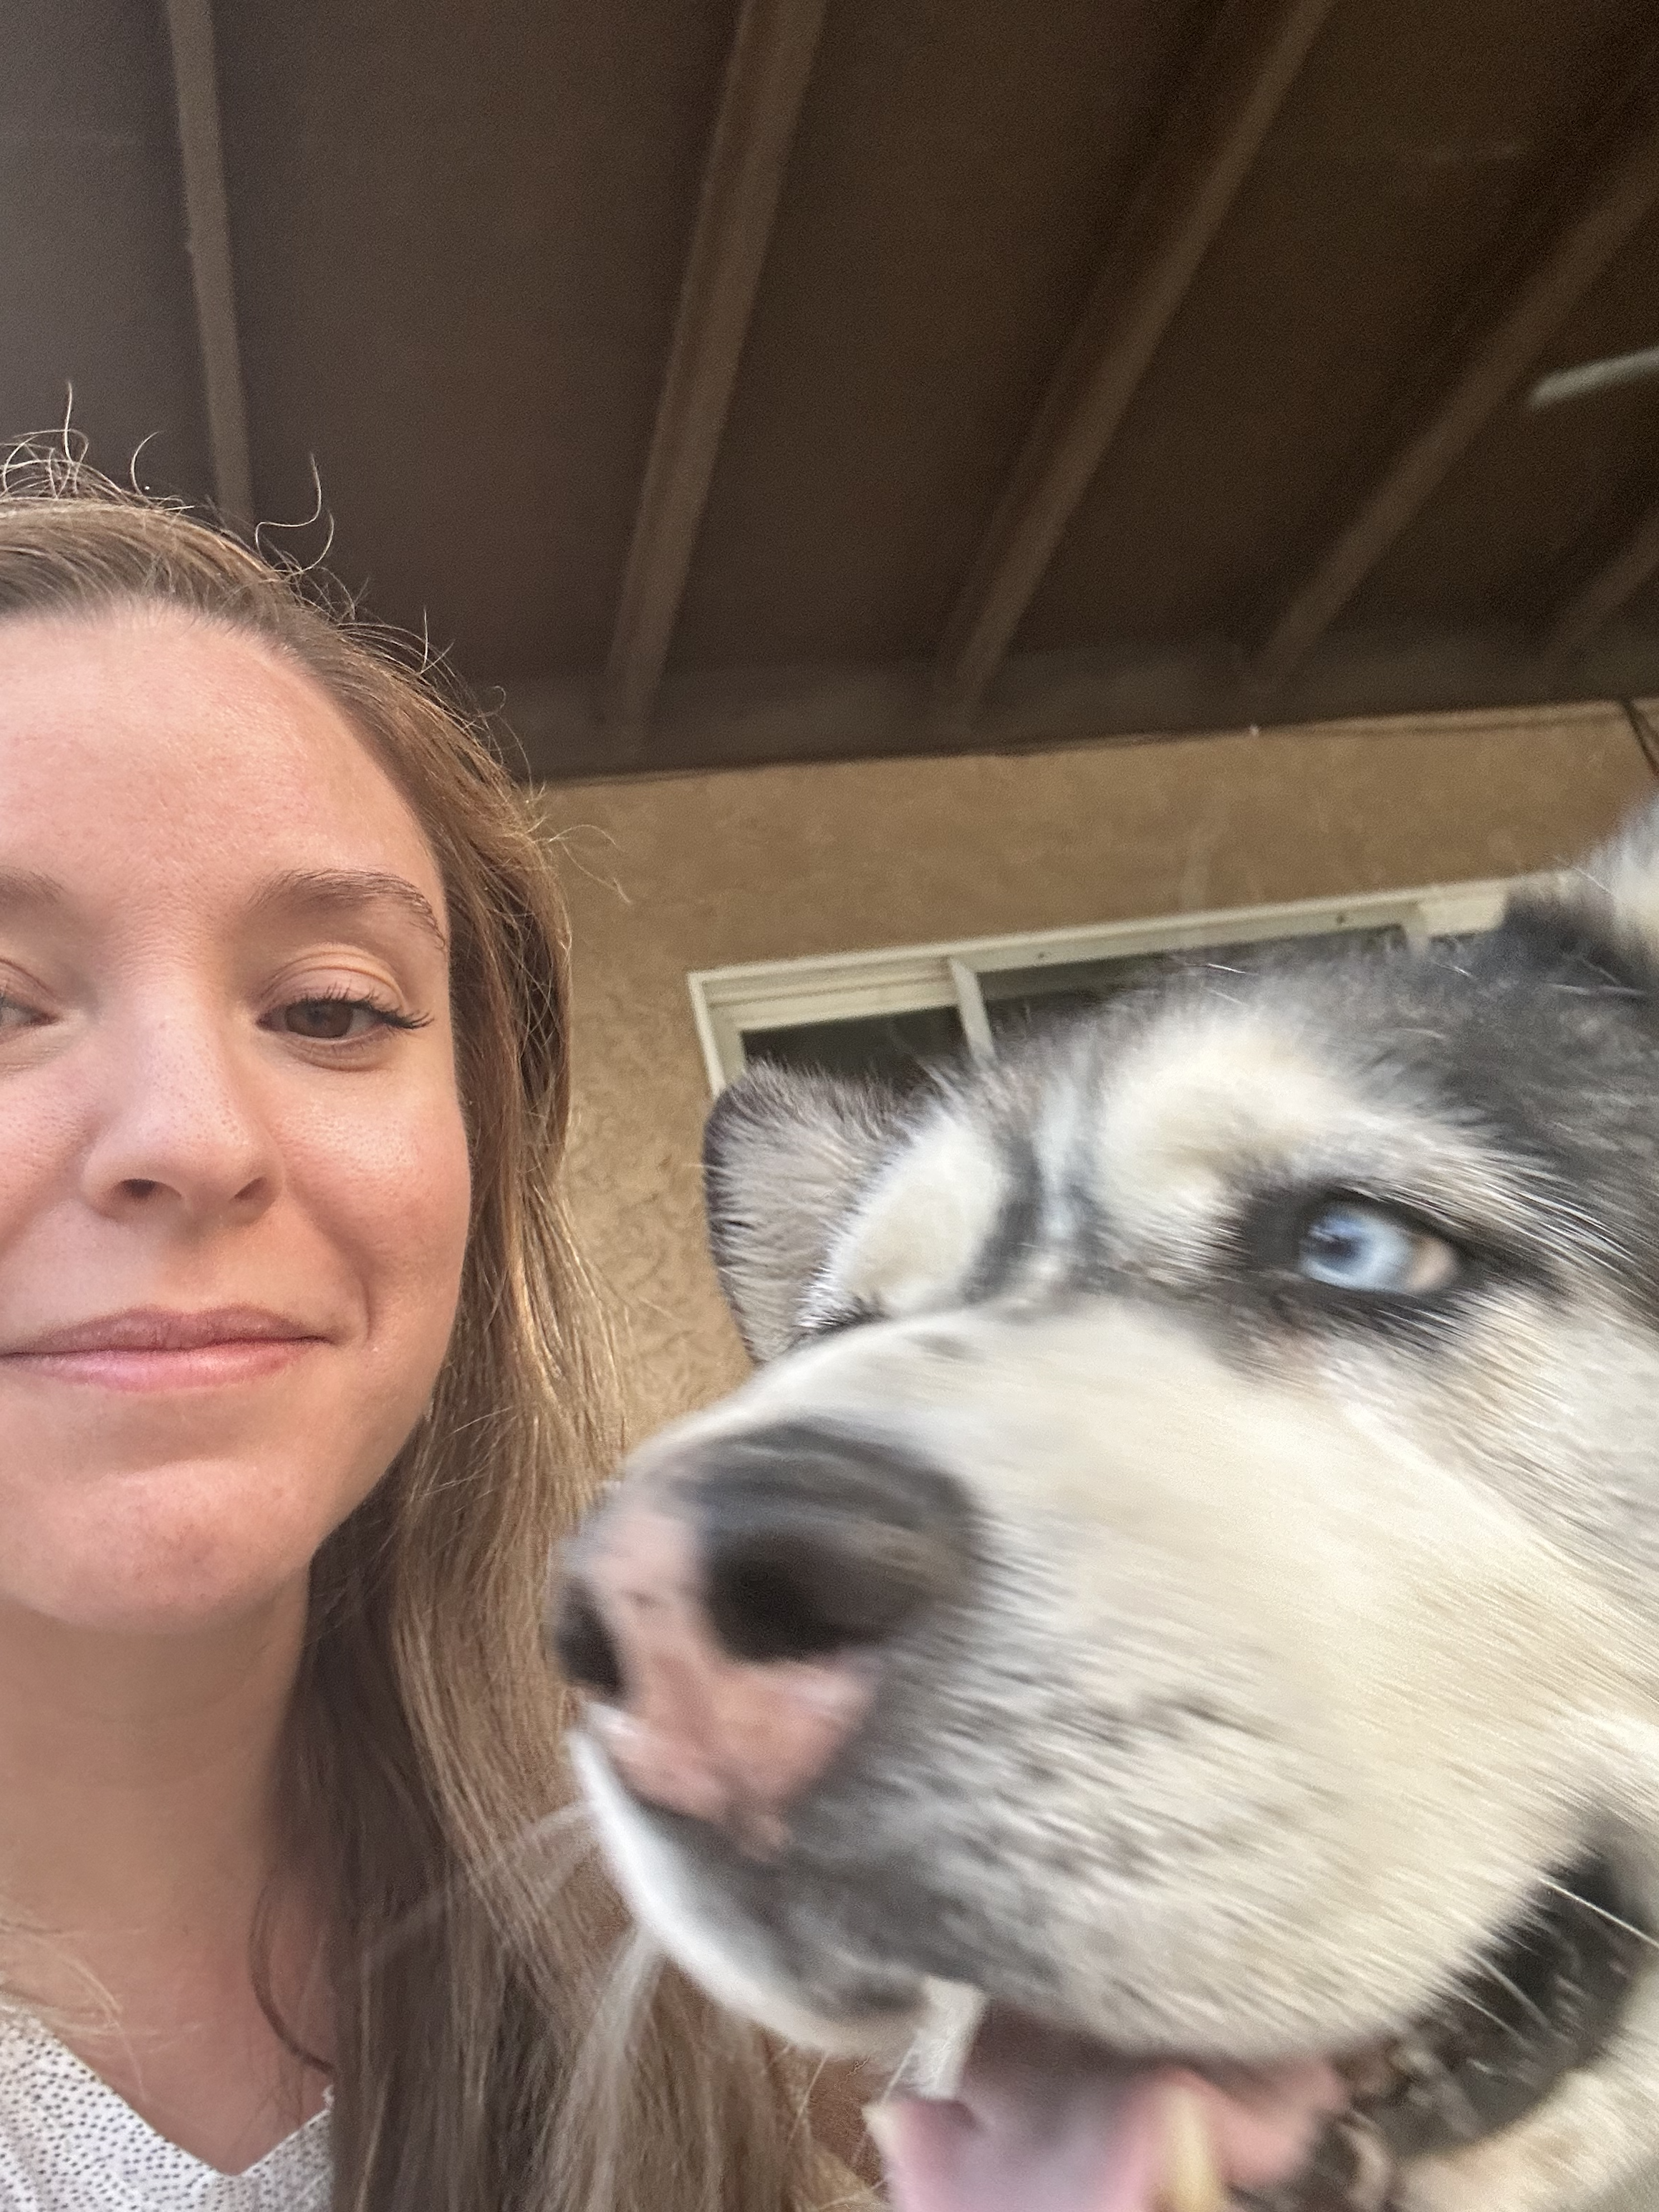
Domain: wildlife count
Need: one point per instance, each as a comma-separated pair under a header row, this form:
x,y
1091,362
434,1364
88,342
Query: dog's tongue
x,y
1046,2121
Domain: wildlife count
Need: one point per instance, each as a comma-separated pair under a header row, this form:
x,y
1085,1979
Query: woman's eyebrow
x,y
26,890
347,890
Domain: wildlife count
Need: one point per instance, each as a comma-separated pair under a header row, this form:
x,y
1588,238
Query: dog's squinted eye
x,y
1352,1246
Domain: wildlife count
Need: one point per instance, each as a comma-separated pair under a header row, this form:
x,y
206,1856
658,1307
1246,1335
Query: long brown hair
x,y
503,2044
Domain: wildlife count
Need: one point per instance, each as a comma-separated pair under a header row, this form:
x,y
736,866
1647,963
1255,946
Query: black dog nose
x,y
812,1542
802,1541
725,1608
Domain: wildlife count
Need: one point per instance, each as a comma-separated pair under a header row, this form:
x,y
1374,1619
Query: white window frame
x,y
766,995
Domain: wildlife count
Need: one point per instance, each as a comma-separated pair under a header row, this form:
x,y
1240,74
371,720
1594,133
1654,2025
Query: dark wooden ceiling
x,y
731,380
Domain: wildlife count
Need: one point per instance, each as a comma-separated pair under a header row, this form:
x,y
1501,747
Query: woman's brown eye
x,y
325,1021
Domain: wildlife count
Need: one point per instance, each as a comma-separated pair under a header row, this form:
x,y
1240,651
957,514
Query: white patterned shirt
x,y
68,2144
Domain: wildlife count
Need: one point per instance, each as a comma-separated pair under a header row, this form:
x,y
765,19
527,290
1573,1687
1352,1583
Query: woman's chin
x,y
170,1551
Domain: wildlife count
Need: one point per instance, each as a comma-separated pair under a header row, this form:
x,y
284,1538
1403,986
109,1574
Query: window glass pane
x,y
899,1047
1018,998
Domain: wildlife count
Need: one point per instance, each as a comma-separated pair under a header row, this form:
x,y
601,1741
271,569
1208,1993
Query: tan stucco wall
x,y
667,875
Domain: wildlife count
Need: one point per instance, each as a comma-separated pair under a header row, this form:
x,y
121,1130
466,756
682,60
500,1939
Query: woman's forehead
x,y
166,747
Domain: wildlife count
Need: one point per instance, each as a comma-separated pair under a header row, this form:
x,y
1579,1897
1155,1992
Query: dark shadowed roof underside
x,y
810,379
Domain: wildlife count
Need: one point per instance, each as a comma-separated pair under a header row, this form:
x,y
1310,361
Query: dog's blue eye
x,y
1361,1248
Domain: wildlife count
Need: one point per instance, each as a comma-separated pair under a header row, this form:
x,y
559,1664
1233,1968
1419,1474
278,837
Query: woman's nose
x,y
181,1126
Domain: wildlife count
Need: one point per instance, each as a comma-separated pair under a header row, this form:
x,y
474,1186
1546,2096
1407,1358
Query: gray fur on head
x,y
785,1155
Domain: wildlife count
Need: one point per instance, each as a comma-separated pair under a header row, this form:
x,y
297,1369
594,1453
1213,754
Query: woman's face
x,y
234,1184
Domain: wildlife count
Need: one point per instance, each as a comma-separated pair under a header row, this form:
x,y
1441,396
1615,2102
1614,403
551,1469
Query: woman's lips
x,y
152,1350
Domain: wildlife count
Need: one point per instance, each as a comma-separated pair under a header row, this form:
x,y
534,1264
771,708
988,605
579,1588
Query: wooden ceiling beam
x,y
1609,588
765,83
1603,207
1205,150
207,223
750,717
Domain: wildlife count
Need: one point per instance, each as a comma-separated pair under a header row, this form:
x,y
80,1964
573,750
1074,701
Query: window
x,y
893,1013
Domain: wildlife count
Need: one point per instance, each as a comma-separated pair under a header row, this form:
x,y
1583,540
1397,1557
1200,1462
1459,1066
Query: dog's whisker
x,y
1494,1973
1505,2027
1614,1919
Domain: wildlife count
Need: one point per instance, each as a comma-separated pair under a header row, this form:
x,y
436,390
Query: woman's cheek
x,y
398,1187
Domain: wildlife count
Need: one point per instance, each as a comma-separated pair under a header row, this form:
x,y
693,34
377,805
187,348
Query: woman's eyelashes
x,y
335,1015
340,1016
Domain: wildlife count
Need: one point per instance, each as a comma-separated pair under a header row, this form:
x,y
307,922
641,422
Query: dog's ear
x,y
1600,926
1621,878
785,1157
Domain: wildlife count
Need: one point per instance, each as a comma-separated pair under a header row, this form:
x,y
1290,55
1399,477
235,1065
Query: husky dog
x,y
1166,1649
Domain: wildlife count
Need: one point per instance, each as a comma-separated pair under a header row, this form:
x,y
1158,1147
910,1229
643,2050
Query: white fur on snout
x,y
1313,1705
726,1955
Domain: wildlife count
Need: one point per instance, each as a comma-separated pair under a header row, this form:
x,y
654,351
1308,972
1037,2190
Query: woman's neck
x,y
138,1840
